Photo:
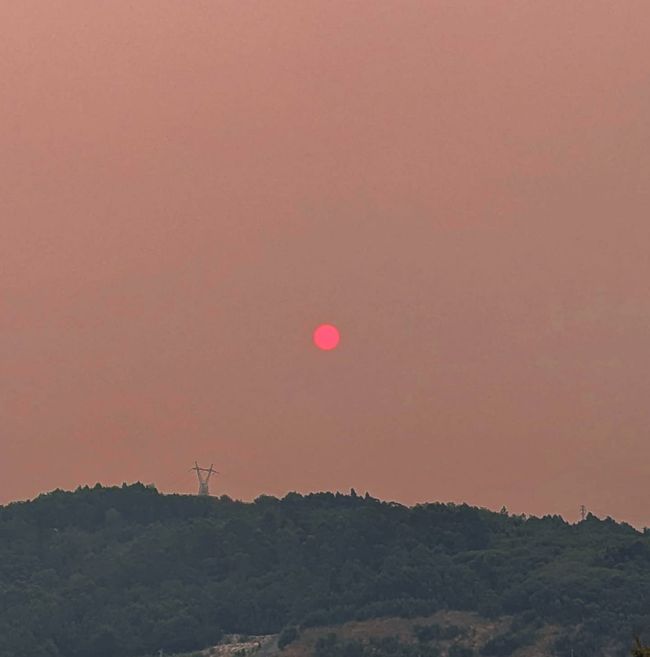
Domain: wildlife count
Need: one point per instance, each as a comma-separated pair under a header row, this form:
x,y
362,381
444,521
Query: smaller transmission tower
x,y
203,475
583,511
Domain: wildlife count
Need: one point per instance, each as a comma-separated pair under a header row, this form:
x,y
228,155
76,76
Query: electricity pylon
x,y
203,475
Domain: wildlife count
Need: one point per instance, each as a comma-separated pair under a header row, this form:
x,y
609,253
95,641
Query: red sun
x,y
326,337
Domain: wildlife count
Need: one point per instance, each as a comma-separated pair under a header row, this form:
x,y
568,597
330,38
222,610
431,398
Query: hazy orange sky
x,y
188,188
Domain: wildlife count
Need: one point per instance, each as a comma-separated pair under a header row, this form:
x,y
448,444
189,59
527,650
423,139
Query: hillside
x,y
124,572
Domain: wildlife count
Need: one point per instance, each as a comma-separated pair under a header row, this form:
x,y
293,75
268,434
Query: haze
x,y
188,189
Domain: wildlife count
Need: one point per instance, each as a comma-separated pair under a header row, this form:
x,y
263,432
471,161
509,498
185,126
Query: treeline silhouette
x,y
122,572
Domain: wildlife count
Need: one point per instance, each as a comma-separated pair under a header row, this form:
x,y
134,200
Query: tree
x,y
639,649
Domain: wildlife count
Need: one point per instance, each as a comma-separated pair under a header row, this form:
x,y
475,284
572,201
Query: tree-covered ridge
x,y
125,571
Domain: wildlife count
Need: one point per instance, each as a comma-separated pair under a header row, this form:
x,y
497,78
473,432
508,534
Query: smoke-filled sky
x,y
187,189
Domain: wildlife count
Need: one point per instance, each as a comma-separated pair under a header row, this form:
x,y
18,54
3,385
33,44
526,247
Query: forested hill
x,y
120,572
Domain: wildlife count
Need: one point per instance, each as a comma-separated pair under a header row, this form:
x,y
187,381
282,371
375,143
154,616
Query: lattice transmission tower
x,y
203,475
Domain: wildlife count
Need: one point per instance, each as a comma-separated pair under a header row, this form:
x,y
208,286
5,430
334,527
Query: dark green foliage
x,y
287,636
124,572
459,650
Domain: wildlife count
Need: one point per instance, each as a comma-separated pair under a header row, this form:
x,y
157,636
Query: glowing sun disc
x,y
326,337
